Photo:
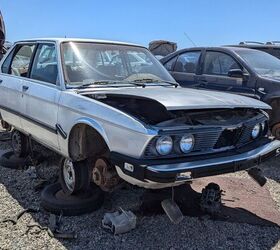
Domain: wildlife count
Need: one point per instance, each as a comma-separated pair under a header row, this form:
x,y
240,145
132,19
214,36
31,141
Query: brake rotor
x,y
104,175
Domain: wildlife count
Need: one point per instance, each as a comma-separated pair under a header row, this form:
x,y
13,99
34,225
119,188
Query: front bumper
x,y
171,172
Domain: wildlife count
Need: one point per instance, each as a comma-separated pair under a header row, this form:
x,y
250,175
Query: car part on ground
x,y
74,177
257,176
211,199
15,219
54,200
172,210
9,160
119,222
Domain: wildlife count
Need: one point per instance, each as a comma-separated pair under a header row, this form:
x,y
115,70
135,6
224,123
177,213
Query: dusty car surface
x,y
114,113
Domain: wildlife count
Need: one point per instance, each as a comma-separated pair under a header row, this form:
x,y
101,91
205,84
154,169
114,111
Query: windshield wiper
x,y
151,80
108,82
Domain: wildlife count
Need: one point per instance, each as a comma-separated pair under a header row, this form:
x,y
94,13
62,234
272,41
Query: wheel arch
x,y
86,137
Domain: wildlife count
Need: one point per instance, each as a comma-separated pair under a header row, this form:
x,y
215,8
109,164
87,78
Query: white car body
x,y
49,113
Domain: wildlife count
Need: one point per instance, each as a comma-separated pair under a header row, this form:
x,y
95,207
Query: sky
x,y
205,22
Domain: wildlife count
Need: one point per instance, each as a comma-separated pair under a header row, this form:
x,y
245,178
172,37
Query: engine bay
x,y
154,113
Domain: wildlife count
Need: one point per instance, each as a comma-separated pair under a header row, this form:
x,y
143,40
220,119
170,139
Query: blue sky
x,y
206,22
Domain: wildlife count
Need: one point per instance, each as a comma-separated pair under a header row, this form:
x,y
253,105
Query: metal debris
x,y
53,228
15,219
119,222
172,210
211,199
256,174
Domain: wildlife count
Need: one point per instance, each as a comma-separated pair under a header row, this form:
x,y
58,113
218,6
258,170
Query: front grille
x,y
206,140
211,140
228,138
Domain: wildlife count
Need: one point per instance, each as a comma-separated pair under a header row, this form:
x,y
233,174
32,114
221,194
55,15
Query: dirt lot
x,y
152,232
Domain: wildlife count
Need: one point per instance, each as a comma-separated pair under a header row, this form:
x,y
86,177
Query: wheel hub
x,y
104,175
69,174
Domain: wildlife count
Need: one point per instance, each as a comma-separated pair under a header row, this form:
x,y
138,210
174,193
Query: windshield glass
x,y
263,63
86,63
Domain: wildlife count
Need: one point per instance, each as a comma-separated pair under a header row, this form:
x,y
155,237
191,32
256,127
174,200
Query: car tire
x,y
20,144
9,160
54,200
74,177
276,131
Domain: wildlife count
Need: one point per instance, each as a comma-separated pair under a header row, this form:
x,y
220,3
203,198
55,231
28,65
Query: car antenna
x,y
188,37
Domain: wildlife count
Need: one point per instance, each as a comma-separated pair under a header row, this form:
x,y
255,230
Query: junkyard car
x,y
112,118
244,71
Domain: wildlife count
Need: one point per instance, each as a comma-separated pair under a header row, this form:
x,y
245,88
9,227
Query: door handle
x,y
25,88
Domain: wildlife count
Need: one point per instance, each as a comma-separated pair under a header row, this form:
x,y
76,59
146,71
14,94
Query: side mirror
x,y
237,73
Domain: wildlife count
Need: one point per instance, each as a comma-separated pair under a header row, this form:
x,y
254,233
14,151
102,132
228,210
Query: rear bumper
x,y
159,173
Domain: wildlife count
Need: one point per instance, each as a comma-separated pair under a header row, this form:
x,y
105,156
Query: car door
x,y
13,70
184,67
41,94
215,74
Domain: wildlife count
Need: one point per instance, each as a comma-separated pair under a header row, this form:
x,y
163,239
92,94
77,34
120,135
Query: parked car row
x,y
115,113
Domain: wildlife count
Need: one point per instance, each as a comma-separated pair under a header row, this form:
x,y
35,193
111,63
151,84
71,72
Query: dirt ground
x,y
260,231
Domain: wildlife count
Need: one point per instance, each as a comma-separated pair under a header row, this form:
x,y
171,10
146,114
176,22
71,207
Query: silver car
x,y
113,119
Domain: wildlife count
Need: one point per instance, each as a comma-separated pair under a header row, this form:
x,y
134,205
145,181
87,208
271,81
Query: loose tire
x,y
20,144
54,200
9,160
74,177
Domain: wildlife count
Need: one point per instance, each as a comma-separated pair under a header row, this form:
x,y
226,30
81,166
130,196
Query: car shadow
x,y
189,202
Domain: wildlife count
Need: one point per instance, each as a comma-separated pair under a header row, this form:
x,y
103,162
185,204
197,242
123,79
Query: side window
x,y
170,64
21,60
6,64
218,63
187,62
45,64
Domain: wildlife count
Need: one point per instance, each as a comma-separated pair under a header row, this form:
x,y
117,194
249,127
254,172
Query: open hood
x,y
186,98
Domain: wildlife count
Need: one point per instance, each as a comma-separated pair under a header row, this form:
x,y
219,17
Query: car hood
x,y
187,98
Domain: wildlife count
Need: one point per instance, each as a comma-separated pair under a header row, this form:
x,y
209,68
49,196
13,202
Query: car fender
x,y
94,124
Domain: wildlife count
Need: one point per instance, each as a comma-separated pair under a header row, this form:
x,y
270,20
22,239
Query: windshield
x,y
86,63
263,63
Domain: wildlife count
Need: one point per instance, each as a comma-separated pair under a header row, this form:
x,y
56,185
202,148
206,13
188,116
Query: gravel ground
x,y
17,193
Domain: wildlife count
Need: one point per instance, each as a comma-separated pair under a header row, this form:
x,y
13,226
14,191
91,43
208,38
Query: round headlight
x,y
256,131
187,143
164,145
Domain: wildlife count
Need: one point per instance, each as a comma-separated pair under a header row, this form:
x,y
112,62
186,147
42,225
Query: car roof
x,y
61,40
218,48
257,46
